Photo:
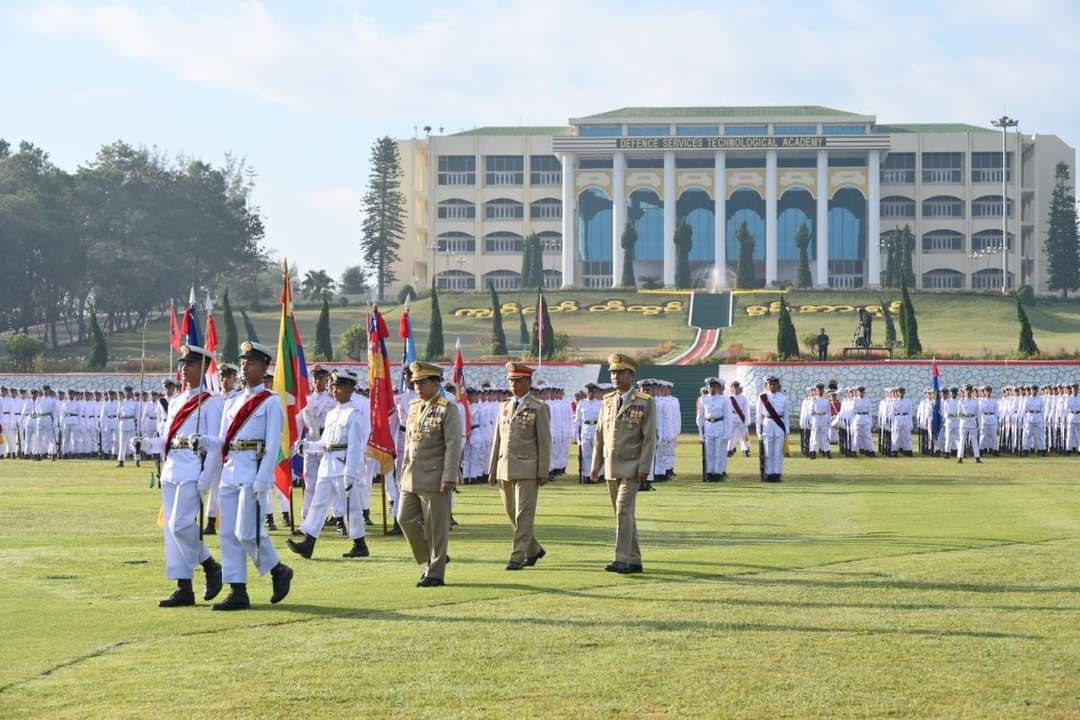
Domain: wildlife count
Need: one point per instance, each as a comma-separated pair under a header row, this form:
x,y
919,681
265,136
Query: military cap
x,y
344,376
168,383
621,361
194,353
714,381
518,370
710,379
319,370
592,386
256,351
423,370
228,368
772,379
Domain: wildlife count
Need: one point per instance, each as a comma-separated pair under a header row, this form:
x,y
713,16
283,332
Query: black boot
x,y
281,576
304,548
746,453
367,518
237,599
212,568
359,549
396,530
270,522
181,597
211,526
339,522
286,520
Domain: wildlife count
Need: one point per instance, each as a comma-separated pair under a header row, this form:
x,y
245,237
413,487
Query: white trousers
x,y
964,436
311,475
901,435
586,450
862,439
183,547
239,526
988,436
819,434
213,499
739,437
774,454
1072,433
1034,436
70,441
326,489
123,444
716,454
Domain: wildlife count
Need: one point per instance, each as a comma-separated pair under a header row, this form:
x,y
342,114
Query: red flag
x,y
381,396
174,329
462,397
290,385
212,380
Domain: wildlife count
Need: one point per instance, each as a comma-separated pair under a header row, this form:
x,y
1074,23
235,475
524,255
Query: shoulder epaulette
x,y
611,394
642,395
442,401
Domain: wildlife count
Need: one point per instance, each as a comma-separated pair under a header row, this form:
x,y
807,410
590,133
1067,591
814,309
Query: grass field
x,y
965,323
857,588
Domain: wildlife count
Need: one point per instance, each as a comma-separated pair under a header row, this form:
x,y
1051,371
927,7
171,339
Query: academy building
x,y
474,196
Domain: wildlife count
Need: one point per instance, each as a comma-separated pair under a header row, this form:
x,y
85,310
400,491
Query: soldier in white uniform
x,y
313,418
713,419
585,417
229,377
989,422
1072,419
968,418
343,447
820,417
251,428
901,424
772,428
190,460
740,421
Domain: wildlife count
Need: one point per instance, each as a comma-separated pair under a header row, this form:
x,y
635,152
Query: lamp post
x,y
1005,122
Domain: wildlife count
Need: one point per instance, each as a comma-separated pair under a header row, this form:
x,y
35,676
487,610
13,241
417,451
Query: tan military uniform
x,y
432,457
520,456
625,441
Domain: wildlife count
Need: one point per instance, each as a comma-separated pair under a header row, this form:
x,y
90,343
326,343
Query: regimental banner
x,y
573,306
764,142
773,308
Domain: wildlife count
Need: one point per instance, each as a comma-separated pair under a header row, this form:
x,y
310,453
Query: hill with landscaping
x,y
652,325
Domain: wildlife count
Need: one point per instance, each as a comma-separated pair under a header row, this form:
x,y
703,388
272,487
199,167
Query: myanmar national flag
x,y
381,440
290,384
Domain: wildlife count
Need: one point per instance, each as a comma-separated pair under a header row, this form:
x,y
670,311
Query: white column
x,y
569,215
873,225
821,224
669,218
770,217
720,217
618,214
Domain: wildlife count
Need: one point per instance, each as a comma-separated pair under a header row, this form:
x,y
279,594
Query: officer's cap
x,y
423,370
256,351
228,368
772,379
621,361
194,353
518,370
319,370
168,383
344,376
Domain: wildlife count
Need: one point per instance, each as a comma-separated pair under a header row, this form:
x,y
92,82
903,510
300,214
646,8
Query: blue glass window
x,y
594,226
794,129
695,207
843,129
749,207
795,208
744,129
847,211
648,130
646,211
599,130
697,130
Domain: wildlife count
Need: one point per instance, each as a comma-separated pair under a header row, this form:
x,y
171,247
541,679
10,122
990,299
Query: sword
x,y
258,510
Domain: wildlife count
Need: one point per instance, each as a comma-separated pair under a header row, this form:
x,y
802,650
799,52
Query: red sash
x,y
738,410
241,417
181,417
772,411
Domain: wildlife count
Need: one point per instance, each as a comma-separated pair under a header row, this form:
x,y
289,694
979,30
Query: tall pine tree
x,y
906,269
384,213
890,326
523,329
891,242
527,263
99,356
744,272
248,327
912,346
628,240
1027,346
802,241
324,348
787,342
498,335
1062,247
684,240
434,349
230,349
549,332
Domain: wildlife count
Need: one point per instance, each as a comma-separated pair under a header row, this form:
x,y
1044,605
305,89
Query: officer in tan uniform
x,y
625,440
429,472
520,455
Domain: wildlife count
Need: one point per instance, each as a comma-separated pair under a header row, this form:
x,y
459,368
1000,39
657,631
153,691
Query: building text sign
x,y
720,143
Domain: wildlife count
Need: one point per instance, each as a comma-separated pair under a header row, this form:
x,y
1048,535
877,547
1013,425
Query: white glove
x,y
198,443
312,446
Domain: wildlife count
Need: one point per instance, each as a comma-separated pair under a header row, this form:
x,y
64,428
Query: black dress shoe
x,y
367,518
304,548
359,549
430,582
453,522
212,569
179,598
515,565
281,577
632,568
237,600
270,523
978,460
530,561
616,567
211,526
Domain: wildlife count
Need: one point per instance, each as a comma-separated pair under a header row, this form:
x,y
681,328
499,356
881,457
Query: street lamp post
x,y
1005,122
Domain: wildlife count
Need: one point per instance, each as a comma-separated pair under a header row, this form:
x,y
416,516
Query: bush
x,y
342,301
406,293
354,342
652,283
24,350
1026,295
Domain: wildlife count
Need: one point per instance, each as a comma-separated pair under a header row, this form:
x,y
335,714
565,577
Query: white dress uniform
x,y
1034,424
772,434
314,419
213,493
1072,427
820,416
245,479
901,425
713,418
989,425
740,422
46,424
968,418
585,418
71,422
127,412
862,425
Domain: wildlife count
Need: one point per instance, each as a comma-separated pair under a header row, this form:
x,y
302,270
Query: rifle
x,y
580,464
258,510
761,457
139,415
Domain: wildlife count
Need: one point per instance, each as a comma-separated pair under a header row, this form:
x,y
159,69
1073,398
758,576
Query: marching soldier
x,y
772,428
713,421
625,442
429,472
251,427
520,457
585,417
900,425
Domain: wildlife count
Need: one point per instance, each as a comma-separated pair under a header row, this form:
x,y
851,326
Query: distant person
x,y
822,343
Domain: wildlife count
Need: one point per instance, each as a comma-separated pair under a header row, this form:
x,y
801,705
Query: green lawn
x,y
857,588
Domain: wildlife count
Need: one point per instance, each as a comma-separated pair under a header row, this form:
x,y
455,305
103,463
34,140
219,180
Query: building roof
x,y
515,130
896,129
729,111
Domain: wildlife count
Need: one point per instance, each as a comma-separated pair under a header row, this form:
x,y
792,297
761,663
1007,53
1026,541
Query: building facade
x,y
759,177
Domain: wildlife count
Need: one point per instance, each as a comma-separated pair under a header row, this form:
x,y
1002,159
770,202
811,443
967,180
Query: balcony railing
x,y
898,177
546,177
942,176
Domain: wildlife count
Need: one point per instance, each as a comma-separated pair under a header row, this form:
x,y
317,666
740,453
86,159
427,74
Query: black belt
x,y
337,446
713,419
589,422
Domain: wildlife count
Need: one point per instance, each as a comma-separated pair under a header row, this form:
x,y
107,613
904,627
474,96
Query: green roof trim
x,y
897,129
521,130
732,111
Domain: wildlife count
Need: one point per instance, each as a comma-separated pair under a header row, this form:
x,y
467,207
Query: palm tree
x,y
317,284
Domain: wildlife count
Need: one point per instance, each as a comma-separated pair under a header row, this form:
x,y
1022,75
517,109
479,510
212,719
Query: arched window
x,y
455,280
456,209
503,209
896,206
749,207
988,241
552,279
503,242
503,279
594,227
456,242
546,209
942,241
943,206
646,210
695,208
943,279
795,209
551,240
989,206
988,279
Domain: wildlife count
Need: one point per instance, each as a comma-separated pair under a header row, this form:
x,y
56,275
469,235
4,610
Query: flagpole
x,y
172,319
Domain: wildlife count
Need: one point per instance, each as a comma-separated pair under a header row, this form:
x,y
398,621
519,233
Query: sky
x,y
302,89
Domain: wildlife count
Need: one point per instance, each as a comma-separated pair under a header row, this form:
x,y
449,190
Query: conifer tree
x,y
324,348
99,356
498,335
744,273
890,326
248,327
912,346
230,349
1062,246
384,213
802,241
434,349
787,342
684,240
523,329
1027,346
628,241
